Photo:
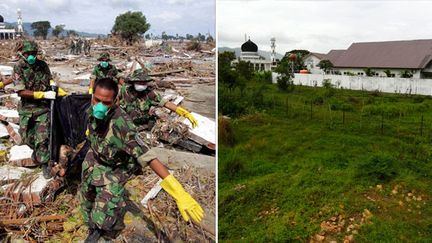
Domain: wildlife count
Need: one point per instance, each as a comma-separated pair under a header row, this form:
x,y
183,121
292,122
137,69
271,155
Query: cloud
x,y
321,25
167,17
173,16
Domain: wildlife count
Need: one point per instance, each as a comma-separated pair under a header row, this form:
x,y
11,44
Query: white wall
x,y
416,73
383,84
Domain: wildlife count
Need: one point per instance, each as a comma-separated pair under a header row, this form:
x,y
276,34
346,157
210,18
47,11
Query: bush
x,y
377,168
232,165
225,132
418,99
285,83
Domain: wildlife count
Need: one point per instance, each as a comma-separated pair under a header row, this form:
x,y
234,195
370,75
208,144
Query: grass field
x,y
323,164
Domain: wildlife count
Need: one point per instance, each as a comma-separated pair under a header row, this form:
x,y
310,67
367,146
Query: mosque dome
x,y
1,19
249,46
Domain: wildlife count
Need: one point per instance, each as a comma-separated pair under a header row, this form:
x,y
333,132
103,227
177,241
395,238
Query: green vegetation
x,y
322,162
41,28
130,26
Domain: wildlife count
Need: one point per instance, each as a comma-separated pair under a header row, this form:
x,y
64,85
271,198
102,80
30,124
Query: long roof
x,y
410,54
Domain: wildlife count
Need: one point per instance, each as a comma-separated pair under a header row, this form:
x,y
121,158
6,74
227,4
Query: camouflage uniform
x,y
34,114
109,72
113,154
138,104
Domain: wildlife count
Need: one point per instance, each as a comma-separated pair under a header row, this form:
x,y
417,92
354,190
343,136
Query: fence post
x,y
343,117
311,111
421,127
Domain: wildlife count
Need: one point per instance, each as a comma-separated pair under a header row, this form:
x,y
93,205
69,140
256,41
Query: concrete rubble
x,y
185,77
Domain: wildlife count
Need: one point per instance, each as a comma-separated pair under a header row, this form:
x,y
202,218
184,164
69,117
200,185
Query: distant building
x,y
11,33
6,34
249,53
387,58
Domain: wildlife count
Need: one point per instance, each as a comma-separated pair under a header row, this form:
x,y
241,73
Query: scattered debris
x,y
28,209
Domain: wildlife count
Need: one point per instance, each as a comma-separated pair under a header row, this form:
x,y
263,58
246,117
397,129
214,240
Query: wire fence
x,y
402,125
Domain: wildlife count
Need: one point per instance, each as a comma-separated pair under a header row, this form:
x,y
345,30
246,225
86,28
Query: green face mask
x,y
100,111
31,59
104,64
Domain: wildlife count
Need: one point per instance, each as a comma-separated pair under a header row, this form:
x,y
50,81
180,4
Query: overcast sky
x,y
172,16
320,26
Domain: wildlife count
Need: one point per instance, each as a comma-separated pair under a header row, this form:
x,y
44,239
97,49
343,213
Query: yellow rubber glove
x,y
182,112
38,95
1,85
185,203
61,92
90,91
50,95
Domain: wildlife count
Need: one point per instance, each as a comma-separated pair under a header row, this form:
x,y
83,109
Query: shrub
x,y
377,168
232,165
225,131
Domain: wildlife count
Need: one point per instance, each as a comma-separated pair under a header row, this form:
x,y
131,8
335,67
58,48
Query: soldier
x,y
32,77
115,149
104,70
138,96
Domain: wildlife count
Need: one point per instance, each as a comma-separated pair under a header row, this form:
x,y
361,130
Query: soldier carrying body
x,y
115,151
138,96
32,83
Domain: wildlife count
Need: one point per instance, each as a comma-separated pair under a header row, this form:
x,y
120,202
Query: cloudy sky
x,y
172,16
320,26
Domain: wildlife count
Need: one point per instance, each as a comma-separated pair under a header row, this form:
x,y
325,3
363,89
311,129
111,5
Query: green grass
x,y
291,169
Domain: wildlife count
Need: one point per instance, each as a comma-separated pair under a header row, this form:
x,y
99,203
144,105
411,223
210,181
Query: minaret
x,y
20,29
273,49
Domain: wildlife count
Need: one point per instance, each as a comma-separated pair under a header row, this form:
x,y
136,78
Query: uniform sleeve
x,y
132,144
156,97
122,96
94,73
18,78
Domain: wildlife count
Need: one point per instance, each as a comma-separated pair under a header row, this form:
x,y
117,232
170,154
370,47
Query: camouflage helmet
x,y
139,75
104,56
29,46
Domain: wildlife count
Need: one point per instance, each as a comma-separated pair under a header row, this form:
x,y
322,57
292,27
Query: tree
x,y
41,28
406,74
388,73
369,72
189,37
58,29
200,37
244,69
164,36
130,26
226,74
325,65
287,63
147,36
209,39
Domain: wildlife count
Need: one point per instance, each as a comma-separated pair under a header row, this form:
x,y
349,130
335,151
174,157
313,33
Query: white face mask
x,y
140,87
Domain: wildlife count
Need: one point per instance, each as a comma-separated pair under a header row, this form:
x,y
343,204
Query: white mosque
x,y
249,53
9,34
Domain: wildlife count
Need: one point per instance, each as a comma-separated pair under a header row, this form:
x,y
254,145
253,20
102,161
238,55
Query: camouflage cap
x,y
104,56
29,46
139,75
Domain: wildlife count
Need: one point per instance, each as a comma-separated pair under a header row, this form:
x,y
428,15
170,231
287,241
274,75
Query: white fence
x,y
383,84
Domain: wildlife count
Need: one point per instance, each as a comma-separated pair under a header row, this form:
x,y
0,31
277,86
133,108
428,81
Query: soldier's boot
x,y
93,236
